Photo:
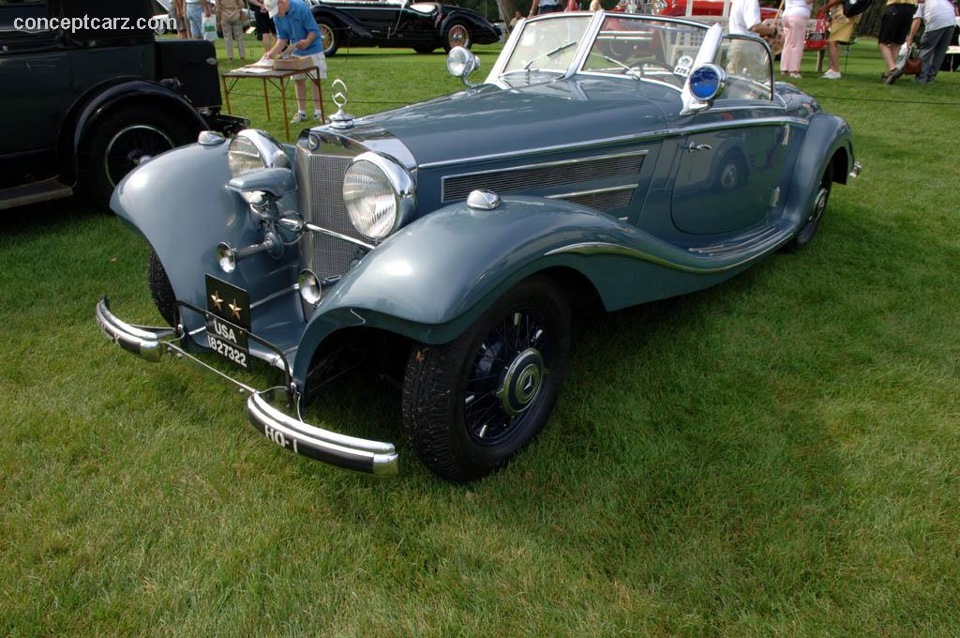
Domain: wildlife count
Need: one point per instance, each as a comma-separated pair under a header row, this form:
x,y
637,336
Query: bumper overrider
x,y
361,455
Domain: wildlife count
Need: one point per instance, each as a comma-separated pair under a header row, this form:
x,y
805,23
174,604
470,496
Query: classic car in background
x,y
400,24
88,95
614,157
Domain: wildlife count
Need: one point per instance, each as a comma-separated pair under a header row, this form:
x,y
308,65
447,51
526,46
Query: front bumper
x,y
361,455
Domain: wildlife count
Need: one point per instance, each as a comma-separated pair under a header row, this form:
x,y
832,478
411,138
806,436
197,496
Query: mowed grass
x,y
778,456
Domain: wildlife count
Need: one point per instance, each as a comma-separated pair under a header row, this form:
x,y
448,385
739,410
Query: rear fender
x,y
179,203
103,99
827,137
343,18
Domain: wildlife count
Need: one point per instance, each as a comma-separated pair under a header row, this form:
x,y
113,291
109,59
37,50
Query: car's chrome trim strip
x,y
595,191
657,135
605,248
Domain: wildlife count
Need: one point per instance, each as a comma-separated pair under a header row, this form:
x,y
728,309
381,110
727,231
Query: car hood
x,y
491,121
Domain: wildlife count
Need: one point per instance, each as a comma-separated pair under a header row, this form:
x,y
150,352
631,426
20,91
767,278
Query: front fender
x,y
473,21
433,279
179,203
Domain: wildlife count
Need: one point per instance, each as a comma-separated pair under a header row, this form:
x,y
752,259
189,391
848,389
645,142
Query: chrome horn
x,y
227,257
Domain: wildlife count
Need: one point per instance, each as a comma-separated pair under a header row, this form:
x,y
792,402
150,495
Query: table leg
x,y
316,80
266,100
226,93
283,102
820,53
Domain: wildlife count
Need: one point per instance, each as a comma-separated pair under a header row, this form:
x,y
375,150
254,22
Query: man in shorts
x,y
841,32
298,31
894,28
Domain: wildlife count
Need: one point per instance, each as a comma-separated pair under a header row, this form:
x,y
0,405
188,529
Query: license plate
x,y
228,321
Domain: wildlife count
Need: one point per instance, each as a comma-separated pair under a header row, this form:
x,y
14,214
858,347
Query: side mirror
x,y
461,63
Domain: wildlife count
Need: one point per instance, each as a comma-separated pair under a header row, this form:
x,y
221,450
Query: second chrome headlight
x,y
378,195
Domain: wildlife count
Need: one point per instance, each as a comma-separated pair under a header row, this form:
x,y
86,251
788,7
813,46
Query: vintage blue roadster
x,y
613,156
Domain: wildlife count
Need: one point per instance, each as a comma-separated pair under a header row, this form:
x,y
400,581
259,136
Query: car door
x,y
36,75
731,161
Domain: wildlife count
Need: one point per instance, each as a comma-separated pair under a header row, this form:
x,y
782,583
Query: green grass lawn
x,y
778,456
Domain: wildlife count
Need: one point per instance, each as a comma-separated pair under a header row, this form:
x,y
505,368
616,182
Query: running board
x,y
743,244
34,192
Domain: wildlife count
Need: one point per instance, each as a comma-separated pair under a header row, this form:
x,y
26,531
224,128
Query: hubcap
x,y
506,378
127,149
522,382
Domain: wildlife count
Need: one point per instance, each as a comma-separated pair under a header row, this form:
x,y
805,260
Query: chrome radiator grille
x,y
320,200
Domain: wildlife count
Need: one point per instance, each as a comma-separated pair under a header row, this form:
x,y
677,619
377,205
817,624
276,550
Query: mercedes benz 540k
x,y
620,157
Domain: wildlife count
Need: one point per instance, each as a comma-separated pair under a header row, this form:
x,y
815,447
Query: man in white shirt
x,y
745,20
939,18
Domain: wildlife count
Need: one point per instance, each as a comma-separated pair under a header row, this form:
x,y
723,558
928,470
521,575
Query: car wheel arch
x,y
102,102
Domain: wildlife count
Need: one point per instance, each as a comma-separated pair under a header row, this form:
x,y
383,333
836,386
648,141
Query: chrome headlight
x,y
378,194
252,149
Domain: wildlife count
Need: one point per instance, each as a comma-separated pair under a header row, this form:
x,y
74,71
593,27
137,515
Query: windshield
x,y
549,44
649,49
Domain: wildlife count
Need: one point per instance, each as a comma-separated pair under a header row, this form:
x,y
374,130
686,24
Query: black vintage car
x,y
88,94
400,24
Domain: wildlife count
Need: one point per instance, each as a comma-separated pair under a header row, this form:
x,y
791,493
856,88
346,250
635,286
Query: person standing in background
x,y
265,26
841,32
796,15
230,15
297,29
546,6
195,10
894,27
939,18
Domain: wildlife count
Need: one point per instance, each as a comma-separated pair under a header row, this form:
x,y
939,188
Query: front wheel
x,y
161,291
472,404
457,35
809,228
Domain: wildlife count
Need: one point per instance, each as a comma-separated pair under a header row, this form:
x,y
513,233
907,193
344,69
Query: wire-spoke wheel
x,y
470,405
457,35
123,141
809,228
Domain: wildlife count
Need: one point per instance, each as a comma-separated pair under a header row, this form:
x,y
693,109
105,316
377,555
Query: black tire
x,y
120,142
809,228
457,35
161,291
328,31
424,49
471,405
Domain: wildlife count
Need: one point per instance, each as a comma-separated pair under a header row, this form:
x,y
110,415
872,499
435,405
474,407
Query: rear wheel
x,y
161,291
470,405
809,228
122,141
456,35
330,44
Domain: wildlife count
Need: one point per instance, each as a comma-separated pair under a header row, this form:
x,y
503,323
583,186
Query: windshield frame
x,y
501,70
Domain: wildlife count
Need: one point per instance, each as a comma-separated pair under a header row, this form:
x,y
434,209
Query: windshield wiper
x,y
549,54
627,70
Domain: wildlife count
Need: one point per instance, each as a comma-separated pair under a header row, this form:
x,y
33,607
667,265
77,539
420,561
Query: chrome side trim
x,y
595,191
604,248
347,452
651,136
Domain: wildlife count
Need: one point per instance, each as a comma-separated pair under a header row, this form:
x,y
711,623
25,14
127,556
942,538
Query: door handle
x,y
699,147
